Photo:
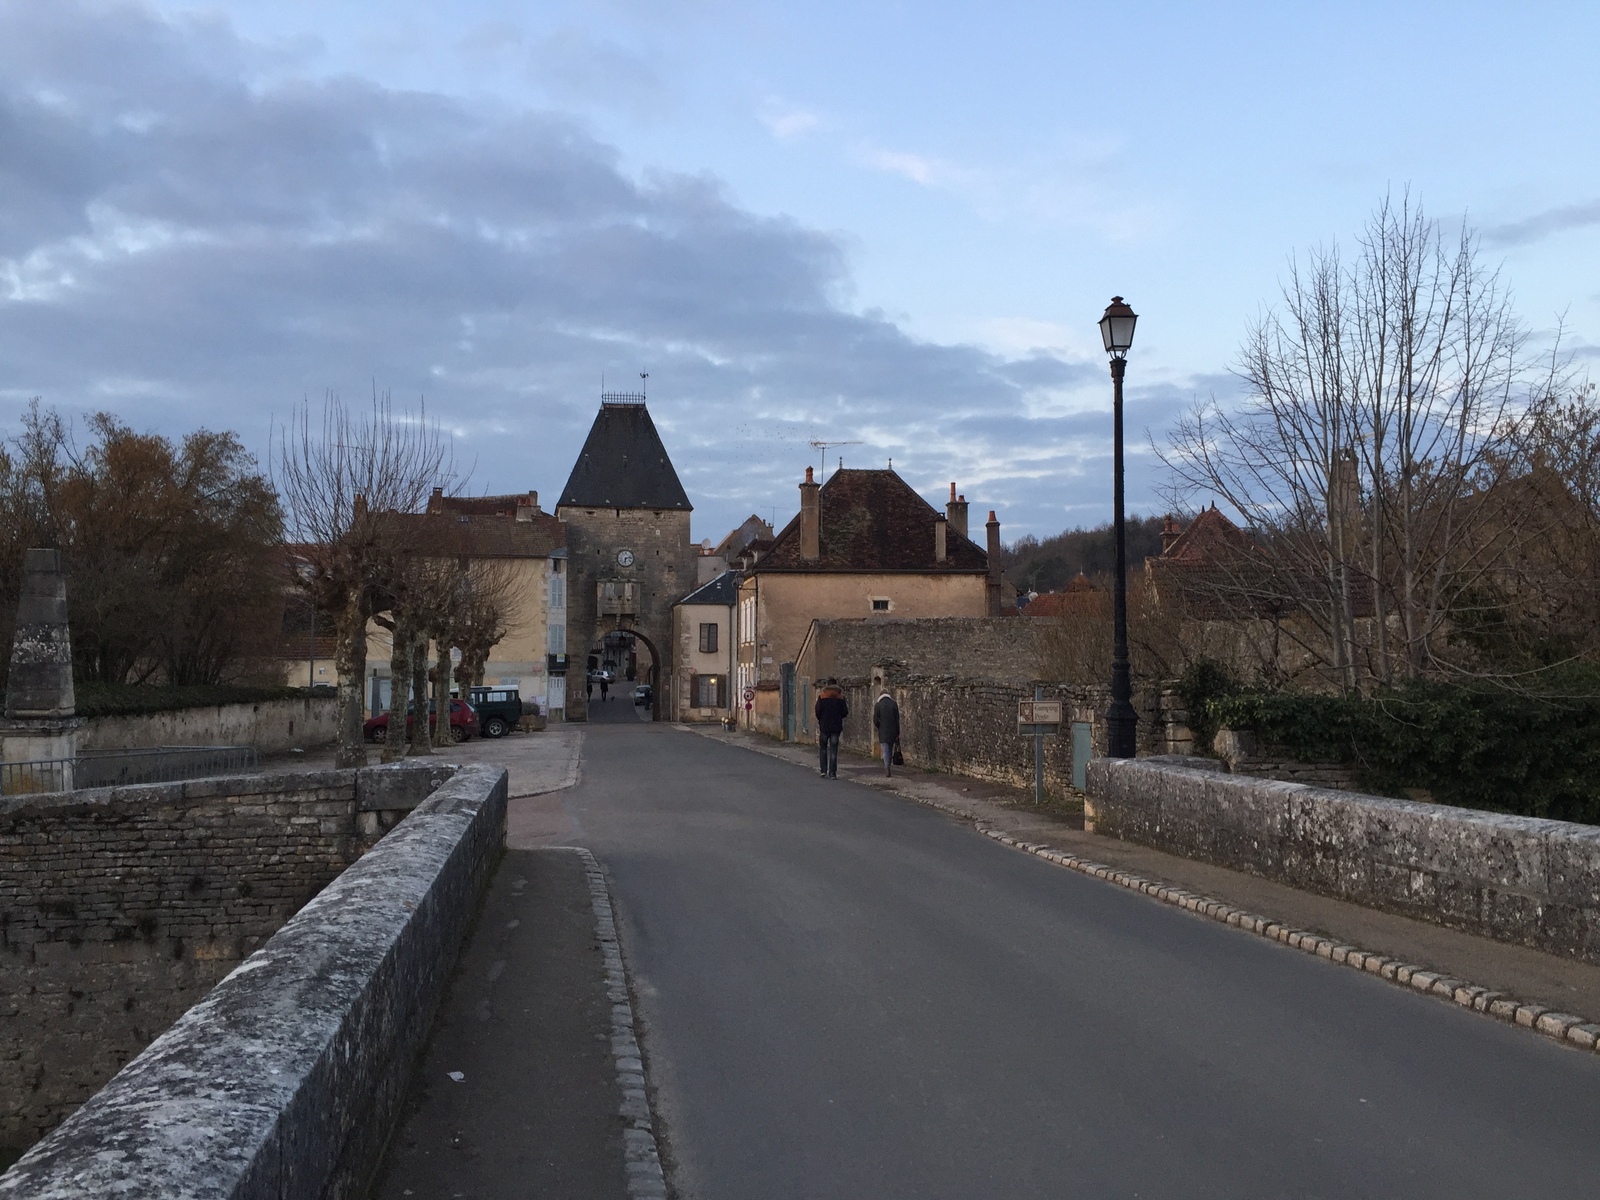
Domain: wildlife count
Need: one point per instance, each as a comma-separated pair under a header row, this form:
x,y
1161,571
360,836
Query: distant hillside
x,y
1049,565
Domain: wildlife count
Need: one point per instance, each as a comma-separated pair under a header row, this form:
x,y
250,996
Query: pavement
x,y
839,993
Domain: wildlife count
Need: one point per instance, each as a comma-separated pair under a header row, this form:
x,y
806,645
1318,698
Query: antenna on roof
x,y
644,382
825,447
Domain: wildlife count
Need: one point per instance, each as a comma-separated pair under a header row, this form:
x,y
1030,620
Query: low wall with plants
x,y
1469,746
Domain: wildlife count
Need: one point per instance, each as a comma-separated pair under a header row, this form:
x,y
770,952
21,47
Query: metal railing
x,y
113,768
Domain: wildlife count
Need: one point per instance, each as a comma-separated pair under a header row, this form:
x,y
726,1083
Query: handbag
x,y
899,759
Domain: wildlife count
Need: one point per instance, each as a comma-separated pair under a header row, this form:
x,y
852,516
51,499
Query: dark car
x,y
642,694
499,710
463,723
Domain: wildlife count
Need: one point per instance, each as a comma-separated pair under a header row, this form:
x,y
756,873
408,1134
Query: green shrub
x,y
127,700
1202,682
1476,747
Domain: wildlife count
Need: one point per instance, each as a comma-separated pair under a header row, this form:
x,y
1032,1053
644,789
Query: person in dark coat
x,y
886,724
605,688
832,708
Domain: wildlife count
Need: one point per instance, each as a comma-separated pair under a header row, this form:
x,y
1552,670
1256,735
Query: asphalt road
x,y
847,995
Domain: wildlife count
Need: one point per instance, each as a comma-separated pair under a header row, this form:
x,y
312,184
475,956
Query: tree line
x,y
182,555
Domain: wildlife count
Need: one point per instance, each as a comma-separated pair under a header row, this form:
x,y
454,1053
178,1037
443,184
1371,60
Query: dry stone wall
x,y
120,907
969,726
268,725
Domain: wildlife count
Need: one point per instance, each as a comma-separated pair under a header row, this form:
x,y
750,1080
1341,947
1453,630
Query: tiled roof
x,y
624,465
482,537
752,529
482,506
873,521
723,591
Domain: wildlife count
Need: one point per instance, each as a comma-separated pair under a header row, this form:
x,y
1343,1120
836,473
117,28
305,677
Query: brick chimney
x,y
528,506
993,528
810,519
1169,533
941,527
358,507
436,501
956,510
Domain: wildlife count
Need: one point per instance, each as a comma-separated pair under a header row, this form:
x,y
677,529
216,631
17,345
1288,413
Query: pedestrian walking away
x,y
831,710
886,724
605,690
588,689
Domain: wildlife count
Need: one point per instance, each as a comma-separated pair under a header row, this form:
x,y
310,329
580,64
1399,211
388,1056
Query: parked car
x,y
603,675
641,694
463,723
499,709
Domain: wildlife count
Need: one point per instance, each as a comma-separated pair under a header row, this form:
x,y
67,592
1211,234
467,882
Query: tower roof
x,y
623,464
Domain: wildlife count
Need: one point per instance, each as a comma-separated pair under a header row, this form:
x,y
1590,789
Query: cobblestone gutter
x,y
1517,879
285,1079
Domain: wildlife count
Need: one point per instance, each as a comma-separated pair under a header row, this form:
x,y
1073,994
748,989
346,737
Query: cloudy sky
x,y
884,222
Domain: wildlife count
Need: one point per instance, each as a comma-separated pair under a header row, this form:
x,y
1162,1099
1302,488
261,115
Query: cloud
x,y
193,235
786,122
1545,224
919,168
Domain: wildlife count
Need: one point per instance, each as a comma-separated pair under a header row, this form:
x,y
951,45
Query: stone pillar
x,y
40,721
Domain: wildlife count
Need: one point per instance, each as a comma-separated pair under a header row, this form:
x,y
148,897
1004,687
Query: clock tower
x,y
628,549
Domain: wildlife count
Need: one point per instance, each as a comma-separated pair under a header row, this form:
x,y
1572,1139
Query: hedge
x,y
131,700
1472,746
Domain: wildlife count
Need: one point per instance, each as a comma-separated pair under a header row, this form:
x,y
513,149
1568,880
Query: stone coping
x,y
389,786
1526,880
286,1079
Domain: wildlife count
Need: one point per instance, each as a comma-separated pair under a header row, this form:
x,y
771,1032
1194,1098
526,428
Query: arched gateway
x,y
628,549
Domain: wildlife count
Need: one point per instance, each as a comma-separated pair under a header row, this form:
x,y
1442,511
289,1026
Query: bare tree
x,y
337,473
1382,394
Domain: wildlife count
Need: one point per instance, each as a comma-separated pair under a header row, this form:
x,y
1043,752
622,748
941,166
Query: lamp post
x,y
1116,331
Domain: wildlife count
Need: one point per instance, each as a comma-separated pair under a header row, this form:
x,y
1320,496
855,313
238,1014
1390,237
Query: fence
x,y
113,768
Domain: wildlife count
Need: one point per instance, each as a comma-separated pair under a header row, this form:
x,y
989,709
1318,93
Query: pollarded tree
x,y
339,473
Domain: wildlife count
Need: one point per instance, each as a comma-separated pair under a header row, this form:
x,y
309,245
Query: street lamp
x,y
1116,331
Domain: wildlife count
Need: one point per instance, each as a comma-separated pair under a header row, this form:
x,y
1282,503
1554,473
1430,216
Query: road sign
x,y
1038,712
749,694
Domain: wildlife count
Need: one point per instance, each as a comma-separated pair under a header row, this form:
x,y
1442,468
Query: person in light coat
x,y
886,724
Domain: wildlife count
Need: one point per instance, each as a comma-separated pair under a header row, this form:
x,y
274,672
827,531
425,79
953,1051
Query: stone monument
x,y
40,722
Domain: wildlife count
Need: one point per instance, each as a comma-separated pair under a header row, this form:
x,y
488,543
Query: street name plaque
x,y
1033,713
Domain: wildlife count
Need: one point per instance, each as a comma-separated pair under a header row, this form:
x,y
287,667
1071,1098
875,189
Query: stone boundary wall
x,y
287,1079
1516,879
969,727
268,725
120,907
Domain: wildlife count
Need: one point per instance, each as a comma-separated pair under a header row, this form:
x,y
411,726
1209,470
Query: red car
x,y
463,723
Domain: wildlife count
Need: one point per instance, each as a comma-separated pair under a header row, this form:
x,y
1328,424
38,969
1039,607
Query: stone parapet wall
x,y
268,725
120,907
1516,879
969,726
286,1080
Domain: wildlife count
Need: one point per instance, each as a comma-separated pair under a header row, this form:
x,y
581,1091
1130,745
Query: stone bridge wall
x,y
286,1080
1517,879
121,907
268,725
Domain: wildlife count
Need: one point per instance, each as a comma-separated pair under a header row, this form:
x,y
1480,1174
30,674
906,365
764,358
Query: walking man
x,y
832,708
605,688
886,723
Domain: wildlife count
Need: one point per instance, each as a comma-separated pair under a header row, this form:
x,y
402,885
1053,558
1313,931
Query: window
x,y
558,639
708,637
558,586
710,691
880,604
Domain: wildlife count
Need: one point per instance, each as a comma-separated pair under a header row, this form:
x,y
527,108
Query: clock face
x,y
624,558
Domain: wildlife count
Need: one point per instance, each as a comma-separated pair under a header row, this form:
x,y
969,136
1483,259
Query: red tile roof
x,y
873,521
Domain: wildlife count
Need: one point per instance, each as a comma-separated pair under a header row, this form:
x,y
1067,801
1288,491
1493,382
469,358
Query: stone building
x,y
628,549
530,547
703,682
864,544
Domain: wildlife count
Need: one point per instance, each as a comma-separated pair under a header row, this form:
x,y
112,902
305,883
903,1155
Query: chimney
x,y
527,506
994,564
810,519
436,501
1169,533
940,527
358,507
956,510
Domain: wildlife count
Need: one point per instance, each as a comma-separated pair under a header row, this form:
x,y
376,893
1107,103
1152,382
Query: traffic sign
x,y
750,694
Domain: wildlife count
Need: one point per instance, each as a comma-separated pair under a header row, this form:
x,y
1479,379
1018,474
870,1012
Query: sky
x,y
883,223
